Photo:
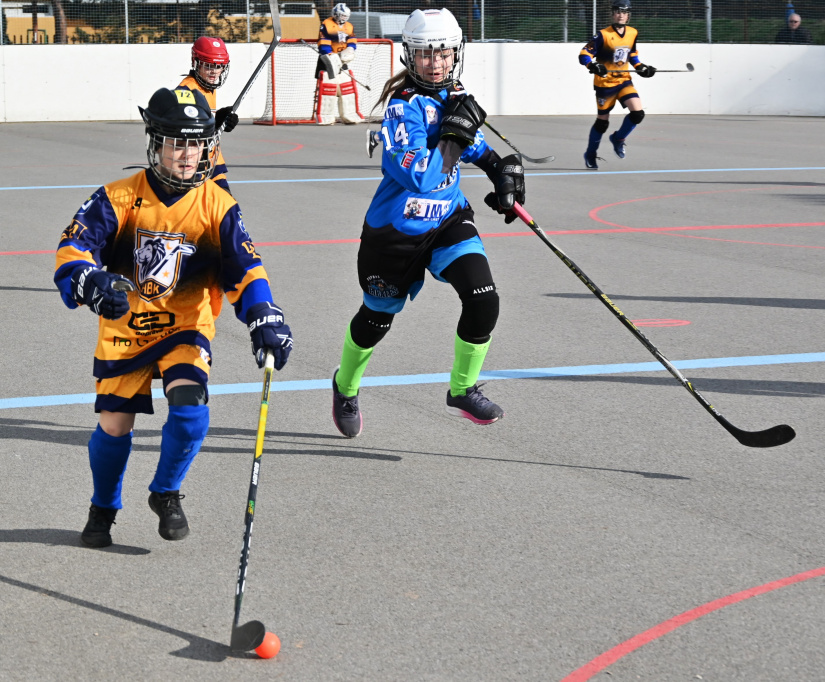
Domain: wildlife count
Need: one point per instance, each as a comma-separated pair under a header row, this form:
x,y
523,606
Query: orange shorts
x,y
132,392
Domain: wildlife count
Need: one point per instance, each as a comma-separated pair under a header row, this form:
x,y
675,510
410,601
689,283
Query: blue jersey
x,y
420,188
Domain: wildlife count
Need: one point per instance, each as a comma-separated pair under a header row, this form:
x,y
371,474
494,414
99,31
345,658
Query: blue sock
x,y
183,434
625,129
594,140
107,458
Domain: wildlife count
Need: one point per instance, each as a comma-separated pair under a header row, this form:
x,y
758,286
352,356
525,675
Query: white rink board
x,y
108,82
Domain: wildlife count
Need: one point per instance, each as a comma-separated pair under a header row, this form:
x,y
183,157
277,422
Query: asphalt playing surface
x,y
607,524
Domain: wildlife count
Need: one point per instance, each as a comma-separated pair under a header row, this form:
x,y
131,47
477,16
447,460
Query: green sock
x,y
469,357
354,361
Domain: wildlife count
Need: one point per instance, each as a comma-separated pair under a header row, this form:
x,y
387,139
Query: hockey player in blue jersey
x,y
420,220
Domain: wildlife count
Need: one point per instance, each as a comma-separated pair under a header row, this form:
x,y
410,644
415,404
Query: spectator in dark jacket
x,y
794,33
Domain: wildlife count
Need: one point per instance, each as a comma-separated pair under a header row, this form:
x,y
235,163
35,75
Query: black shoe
x,y
96,532
474,406
618,145
590,160
373,140
345,412
173,525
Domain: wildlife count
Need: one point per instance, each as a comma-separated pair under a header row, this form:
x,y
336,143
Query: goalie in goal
x,y
337,93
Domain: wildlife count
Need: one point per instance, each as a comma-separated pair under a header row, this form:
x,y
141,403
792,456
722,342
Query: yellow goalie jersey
x,y
615,51
182,251
219,174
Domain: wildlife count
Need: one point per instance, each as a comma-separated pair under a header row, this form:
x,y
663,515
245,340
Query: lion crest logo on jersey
x,y
158,259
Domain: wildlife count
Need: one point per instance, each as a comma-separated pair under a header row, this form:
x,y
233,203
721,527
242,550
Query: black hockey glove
x,y
645,70
92,286
227,118
269,333
597,68
462,119
508,179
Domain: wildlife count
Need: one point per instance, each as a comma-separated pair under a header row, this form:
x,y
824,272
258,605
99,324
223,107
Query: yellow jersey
x,y
617,52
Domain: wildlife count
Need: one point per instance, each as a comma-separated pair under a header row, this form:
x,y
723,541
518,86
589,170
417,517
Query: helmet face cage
x,y
430,52
341,13
181,163
222,69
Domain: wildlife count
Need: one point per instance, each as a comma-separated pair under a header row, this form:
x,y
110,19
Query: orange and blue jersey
x,y
615,52
184,252
219,174
335,37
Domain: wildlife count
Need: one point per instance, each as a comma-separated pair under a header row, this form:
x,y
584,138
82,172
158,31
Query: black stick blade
x,y
689,66
248,636
769,438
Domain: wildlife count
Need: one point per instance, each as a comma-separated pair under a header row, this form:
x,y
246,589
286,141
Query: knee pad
x,y
636,116
601,125
479,314
368,326
187,394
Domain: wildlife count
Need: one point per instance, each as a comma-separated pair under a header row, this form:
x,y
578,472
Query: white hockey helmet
x,y
430,31
341,13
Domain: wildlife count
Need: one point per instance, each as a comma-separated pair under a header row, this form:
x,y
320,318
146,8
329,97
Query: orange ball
x,y
270,646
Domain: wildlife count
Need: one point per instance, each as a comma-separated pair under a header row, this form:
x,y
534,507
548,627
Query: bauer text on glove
x,y
269,333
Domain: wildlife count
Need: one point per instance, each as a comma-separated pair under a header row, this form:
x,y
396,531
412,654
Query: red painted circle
x,y
660,323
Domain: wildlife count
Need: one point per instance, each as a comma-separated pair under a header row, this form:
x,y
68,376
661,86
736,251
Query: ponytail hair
x,y
390,87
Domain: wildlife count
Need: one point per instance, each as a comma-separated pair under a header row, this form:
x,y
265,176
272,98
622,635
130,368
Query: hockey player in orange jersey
x,y
210,68
337,92
179,242
607,56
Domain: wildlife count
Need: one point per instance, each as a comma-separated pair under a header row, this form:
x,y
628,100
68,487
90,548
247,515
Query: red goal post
x,y
292,88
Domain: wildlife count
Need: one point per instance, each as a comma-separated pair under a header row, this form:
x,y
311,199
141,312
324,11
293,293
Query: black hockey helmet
x,y
178,122
620,5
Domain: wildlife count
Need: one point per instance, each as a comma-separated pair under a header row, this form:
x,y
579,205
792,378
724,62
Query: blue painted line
x,y
378,178
414,379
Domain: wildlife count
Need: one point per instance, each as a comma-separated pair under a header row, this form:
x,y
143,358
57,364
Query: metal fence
x,y
182,21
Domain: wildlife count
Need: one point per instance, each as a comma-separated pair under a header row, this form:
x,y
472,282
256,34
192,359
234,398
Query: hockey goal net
x,y
292,88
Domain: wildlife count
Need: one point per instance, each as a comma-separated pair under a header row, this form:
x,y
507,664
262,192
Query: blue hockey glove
x,y
597,68
92,286
269,333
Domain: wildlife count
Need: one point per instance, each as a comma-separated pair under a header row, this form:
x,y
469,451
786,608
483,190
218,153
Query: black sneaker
x,y
590,160
474,406
173,524
618,145
373,140
96,533
345,412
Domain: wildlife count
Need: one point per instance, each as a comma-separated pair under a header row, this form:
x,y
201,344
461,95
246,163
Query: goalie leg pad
x,y
183,434
108,456
327,103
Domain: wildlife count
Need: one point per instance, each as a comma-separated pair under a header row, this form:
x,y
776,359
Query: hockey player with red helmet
x,y
177,243
606,56
210,68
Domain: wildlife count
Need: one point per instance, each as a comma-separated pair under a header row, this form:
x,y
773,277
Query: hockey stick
x,y
123,285
543,159
344,67
688,69
251,635
276,28
776,435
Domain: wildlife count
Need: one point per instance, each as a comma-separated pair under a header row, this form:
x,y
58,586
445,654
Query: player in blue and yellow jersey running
x,y
420,220
210,68
177,241
607,57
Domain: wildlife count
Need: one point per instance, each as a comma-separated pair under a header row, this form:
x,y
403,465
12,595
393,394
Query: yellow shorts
x,y
132,392
606,98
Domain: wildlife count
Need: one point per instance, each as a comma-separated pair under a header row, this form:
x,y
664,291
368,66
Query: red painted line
x,y
660,323
609,657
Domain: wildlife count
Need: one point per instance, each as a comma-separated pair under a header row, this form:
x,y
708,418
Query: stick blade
x,y
769,438
543,159
248,636
689,66
276,18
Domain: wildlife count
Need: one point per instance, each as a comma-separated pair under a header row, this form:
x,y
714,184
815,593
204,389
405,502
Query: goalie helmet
x,y
210,62
341,13
181,142
428,34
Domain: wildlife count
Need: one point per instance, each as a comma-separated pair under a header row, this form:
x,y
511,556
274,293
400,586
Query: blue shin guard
x,y
108,456
626,128
183,434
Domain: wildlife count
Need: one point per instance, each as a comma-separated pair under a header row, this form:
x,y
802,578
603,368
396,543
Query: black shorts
x,y
391,263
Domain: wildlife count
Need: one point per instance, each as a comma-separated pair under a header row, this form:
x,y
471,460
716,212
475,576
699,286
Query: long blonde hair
x,y
390,87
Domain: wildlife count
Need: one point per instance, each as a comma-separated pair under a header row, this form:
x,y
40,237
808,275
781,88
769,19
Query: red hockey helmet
x,y
210,62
